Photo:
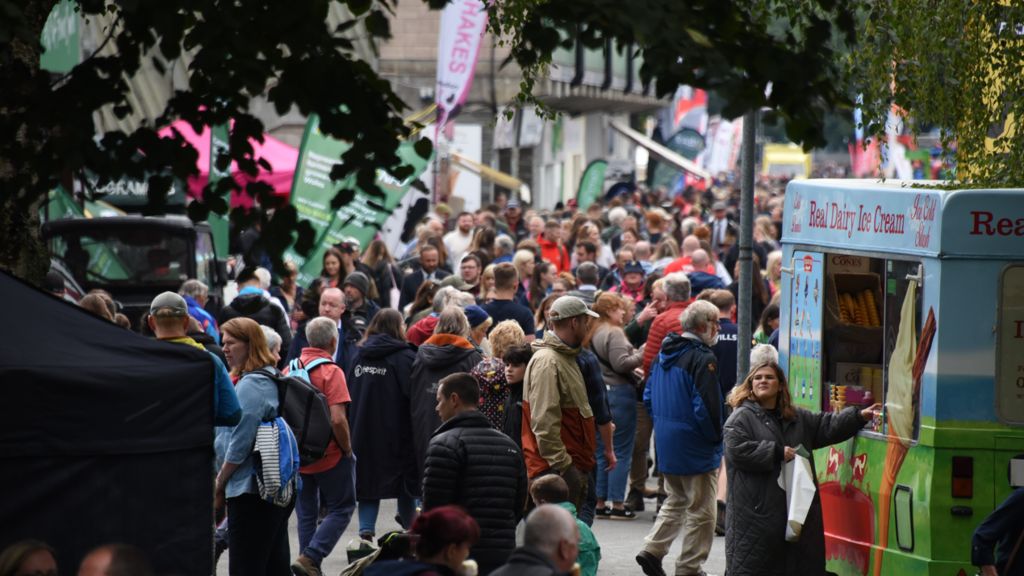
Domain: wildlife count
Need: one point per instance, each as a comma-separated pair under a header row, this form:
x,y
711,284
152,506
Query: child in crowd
x,y
515,358
551,489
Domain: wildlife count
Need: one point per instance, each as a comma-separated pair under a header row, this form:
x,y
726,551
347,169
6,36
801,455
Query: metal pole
x,y
744,335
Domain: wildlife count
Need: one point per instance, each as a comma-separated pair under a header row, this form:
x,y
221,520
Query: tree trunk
x,y
22,251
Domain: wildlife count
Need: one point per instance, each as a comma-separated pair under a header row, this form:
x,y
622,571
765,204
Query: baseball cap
x,y
720,205
168,304
513,203
569,307
632,266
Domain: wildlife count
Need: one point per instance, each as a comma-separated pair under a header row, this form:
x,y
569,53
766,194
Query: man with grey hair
x,y
504,246
684,400
551,541
196,295
328,483
677,292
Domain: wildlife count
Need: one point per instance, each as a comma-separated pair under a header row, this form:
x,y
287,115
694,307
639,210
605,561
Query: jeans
x,y
612,485
588,511
336,489
368,510
257,537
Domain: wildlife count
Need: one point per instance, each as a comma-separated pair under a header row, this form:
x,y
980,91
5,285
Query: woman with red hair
x,y
443,537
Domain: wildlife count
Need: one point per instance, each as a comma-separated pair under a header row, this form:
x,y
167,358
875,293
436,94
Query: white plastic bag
x,y
798,482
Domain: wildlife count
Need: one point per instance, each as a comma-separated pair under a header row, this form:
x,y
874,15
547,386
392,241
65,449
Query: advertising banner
x,y
591,184
462,27
219,223
358,220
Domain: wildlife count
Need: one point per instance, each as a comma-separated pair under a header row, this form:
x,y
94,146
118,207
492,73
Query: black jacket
x,y
470,464
527,562
379,419
513,426
263,311
411,283
440,356
755,529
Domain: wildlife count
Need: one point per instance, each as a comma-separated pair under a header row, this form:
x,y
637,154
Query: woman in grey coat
x,y
760,436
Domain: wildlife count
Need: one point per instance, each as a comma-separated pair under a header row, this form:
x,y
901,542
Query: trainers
x,y
367,535
303,566
635,501
650,564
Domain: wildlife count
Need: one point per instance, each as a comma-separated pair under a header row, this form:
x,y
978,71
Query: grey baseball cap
x,y
568,307
168,304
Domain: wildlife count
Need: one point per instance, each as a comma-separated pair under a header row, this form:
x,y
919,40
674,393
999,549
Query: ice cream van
x,y
913,297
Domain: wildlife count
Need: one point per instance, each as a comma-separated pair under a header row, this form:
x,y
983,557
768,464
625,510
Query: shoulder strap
x,y
318,362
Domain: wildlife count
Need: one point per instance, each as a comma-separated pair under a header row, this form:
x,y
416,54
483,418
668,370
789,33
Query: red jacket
x,y
663,324
554,253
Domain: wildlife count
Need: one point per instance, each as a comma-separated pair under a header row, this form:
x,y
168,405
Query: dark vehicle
x,y
137,257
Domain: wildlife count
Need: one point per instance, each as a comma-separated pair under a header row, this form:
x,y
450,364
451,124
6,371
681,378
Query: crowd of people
x,y
511,366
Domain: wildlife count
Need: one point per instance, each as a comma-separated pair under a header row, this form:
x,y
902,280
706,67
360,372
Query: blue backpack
x,y
277,463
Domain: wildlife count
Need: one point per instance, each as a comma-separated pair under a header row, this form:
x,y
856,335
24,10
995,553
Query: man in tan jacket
x,y
558,424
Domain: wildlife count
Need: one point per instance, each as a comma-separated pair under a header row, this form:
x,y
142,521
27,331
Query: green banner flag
x,y
218,222
591,184
60,39
313,190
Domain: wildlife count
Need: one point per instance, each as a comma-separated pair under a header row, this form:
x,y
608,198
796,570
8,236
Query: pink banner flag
x,y
462,27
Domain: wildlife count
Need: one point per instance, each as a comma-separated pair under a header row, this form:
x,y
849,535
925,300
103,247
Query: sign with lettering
x,y
462,27
806,300
831,213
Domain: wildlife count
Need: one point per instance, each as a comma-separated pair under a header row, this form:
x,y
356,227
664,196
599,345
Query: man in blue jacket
x,y
684,399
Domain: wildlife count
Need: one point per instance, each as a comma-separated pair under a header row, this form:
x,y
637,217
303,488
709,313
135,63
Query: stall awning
x,y
497,176
662,152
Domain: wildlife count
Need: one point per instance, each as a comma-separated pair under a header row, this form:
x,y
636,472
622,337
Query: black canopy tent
x,y
106,436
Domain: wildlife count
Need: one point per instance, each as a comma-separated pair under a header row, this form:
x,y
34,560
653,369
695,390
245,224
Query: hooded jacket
x,y
755,527
684,400
255,306
441,355
470,464
386,466
555,254
558,424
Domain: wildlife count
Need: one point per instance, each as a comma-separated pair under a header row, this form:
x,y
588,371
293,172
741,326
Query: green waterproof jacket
x,y
590,550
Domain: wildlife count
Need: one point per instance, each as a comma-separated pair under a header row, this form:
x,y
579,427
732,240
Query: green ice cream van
x,y
912,297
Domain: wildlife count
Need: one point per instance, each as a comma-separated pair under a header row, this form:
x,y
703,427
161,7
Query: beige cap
x,y
568,307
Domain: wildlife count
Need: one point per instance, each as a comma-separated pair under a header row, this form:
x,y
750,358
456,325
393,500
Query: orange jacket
x,y
554,253
663,324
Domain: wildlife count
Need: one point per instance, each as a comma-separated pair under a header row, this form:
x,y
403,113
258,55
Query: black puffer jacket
x,y
755,531
441,355
257,307
470,464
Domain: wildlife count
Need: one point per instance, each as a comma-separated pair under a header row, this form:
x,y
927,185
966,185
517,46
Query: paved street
x,y
620,541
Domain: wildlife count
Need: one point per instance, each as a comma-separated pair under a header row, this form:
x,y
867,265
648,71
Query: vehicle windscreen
x,y
123,256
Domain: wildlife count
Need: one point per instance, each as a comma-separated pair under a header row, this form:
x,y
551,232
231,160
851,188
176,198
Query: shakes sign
x,y
462,27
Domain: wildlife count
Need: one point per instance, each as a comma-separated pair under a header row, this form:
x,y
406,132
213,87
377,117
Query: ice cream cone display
x,y
905,369
859,308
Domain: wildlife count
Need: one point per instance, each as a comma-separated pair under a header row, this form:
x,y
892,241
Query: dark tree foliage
x,y
283,50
